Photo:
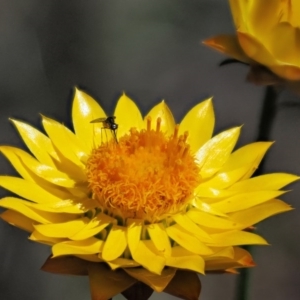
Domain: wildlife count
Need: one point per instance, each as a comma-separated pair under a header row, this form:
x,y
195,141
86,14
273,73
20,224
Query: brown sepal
x,y
66,265
184,285
262,76
106,283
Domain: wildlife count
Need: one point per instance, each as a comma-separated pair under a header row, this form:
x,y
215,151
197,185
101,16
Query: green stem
x,y
267,117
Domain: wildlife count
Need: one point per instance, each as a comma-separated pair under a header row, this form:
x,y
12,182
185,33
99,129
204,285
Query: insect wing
x,y
99,120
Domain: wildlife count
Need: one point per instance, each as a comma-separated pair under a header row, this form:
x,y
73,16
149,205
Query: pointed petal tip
x,y
77,91
124,97
164,104
295,177
208,100
236,129
207,42
214,42
45,118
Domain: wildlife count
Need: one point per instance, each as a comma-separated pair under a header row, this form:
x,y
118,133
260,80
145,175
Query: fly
x,y
108,123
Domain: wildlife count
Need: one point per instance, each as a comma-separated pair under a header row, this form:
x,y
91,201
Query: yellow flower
x,y
160,200
268,33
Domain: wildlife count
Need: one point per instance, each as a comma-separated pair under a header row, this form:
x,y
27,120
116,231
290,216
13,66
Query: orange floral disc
x,y
146,175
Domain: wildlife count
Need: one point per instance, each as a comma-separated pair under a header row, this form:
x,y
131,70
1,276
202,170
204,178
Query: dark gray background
x,y
151,50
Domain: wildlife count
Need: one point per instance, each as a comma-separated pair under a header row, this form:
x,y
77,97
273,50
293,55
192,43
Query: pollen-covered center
x,y
146,175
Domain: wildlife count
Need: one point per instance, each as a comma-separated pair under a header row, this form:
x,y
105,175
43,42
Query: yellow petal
x,y
122,263
84,110
160,238
225,179
62,230
89,246
26,166
162,111
245,200
65,141
187,223
38,237
229,45
255,49
13,158
205,207
147,255
204,192
187,241
22,161
211,221
260,212
184,259
95,226
250,154
274,181
16,219
115,243
86,233
239,12
293,8
156,282
199,122
241,258
235,238
50,174
39,144
63,206
212,156
258,52
289,36
106,283
39,216
260,16
88,257
134,230
27,189
127,115
226,252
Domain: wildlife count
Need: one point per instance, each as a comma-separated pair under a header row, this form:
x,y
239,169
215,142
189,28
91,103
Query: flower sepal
x,y
184,285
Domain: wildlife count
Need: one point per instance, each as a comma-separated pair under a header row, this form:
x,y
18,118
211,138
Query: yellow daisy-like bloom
x,y
157,205
268,33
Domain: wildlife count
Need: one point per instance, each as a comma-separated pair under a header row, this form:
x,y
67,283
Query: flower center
x,y
146,175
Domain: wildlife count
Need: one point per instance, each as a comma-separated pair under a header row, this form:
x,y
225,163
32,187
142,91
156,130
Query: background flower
x,y
160,198
267,34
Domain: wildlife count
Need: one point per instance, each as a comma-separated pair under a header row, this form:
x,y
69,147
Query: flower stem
x,y
266,121
267,116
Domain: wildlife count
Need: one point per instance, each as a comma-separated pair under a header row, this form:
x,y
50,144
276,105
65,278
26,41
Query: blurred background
x,y
151,50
